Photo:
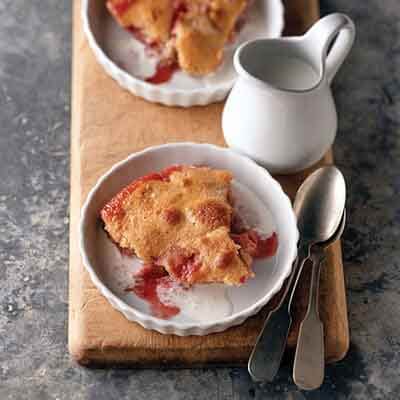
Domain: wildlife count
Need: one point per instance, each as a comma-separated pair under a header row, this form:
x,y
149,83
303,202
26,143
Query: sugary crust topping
x,y
180,218
203,32
172,216
191,32
213,257
213,213
139,216
225,259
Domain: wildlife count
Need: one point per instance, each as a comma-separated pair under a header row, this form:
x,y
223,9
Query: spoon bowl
x,y
337,235
319,205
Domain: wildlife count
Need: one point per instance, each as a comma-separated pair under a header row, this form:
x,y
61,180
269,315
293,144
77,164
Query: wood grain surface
x,y
108,124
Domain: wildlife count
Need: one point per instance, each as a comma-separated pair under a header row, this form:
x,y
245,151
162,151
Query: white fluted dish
x,y
124,59
245,300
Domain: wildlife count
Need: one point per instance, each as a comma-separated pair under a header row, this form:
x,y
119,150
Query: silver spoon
x,y
309,361
315,205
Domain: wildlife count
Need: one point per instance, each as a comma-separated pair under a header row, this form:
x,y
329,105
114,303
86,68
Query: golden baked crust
x,y
212,257
201,36
191,32
180,219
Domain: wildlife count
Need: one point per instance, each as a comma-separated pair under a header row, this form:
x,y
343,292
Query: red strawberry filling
x,y
147,282
181,265
120,7
252,243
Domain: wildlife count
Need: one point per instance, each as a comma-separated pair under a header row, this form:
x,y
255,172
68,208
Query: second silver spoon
x,y
309,361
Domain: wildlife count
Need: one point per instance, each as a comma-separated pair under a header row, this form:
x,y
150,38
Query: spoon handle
x,y
309,361
267,353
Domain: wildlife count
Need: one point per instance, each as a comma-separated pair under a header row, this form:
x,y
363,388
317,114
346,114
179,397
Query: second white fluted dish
x,y
124,58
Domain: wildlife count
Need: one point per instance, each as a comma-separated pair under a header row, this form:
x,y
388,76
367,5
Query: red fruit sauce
x,y
182,266
164,72
147,280
257,247
179,9
120,7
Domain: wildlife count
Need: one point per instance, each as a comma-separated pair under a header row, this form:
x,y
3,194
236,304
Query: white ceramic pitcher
x,y
281,112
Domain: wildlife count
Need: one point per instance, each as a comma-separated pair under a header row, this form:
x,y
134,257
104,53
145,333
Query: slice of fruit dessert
x,y
180,219
188,33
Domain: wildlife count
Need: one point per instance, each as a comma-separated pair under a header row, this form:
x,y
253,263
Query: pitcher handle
x,y
322,33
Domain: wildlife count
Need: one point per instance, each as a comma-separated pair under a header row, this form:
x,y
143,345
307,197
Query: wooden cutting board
x,y
108,124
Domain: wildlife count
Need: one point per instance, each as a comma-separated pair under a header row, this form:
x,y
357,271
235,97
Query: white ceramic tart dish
x,y
204,308
125,59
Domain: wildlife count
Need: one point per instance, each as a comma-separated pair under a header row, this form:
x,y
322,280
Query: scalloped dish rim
x,y
179,328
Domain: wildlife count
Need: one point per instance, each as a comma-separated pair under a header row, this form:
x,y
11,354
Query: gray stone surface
x,y
35,44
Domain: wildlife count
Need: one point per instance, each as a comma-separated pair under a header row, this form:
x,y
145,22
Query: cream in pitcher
x,y
281,112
